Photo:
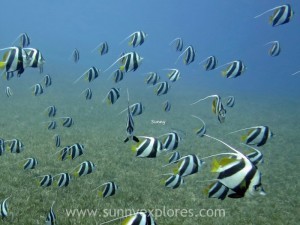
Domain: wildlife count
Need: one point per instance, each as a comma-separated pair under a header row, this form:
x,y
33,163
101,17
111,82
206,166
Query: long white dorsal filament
x,y
248,128
80,76
199,119
128,37
117,61
97,47
182,54
267,11
210,96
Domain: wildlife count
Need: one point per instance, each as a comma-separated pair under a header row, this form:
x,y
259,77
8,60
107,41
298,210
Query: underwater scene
x,y
149,112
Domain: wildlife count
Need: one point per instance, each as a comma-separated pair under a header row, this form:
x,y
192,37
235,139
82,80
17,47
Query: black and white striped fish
x,y
51,217
15,59
8,92
174,75
4,208
239,174
217,107
46,181
36,59
102,48
189,55
63,180
211,63
2,146
110,189
30,164
171,141
136,109
174,181
51,125
202,130
51,111
282,14
88,94
230,101
152,78
166,106
118,75
64,153
16,146
137,38
150,147
37,89
24,40
76,55
86,167
129,62
76,150
162,88
174,157
178,44
112,96
47,80
67,121
130,124
257,135
57,140
188,165
235,69
275,48
89,75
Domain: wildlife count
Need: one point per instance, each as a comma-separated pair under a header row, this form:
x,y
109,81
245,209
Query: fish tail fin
x,y
100,194
224,73
215,166
133,148
176,170
206,190
122,68
2,64
76,174
244,137
271,19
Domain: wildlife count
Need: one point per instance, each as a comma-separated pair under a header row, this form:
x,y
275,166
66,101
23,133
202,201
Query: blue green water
x,y
266,94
